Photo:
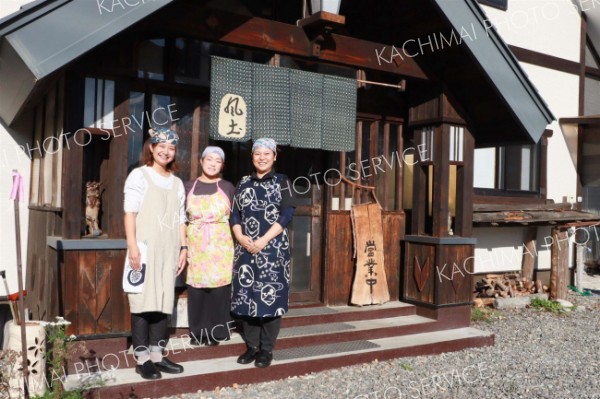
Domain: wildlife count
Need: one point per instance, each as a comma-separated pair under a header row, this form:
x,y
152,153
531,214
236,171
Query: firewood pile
x,y
507,285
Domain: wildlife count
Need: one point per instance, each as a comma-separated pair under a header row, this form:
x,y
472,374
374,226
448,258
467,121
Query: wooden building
x,y
84,80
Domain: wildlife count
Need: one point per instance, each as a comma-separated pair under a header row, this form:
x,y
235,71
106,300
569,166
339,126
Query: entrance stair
x,y
312,339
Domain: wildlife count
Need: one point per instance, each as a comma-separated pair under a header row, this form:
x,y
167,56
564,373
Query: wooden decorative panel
x,y
419,272
438,274
454,280
91,292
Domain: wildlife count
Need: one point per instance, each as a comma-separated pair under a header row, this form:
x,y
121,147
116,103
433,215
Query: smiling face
x,y
263,160
212,164
163,154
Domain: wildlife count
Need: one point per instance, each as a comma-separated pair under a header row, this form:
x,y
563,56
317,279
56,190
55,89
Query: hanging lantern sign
x,y
233,113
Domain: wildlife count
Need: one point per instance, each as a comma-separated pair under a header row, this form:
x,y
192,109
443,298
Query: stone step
x,y
206,374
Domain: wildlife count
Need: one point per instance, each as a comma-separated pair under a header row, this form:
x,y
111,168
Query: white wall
x,y
9,6
11,157
561,92
548,26
551,27
501,249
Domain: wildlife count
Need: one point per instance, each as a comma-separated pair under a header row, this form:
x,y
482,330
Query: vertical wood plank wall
x,y
92,296
42,278
339,266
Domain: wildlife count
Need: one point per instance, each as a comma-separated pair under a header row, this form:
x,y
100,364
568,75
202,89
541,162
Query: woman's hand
x,y
258,245
245,242
134,257
182,261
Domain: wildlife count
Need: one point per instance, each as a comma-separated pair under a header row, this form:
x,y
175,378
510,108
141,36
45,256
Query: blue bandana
x,y
163,135
211,149
269,144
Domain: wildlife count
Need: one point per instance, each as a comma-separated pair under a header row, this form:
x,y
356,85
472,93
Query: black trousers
x,y
261,332
148,329
208,312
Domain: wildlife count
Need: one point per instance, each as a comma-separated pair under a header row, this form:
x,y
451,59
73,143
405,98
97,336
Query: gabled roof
x,y
483,75
500,64
46,35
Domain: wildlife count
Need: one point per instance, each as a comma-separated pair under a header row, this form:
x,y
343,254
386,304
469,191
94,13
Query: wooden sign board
x,y
233,113
370,282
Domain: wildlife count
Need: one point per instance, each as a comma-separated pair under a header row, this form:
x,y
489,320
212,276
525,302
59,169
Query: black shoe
x,y
263,359
148,371
248,356
167,366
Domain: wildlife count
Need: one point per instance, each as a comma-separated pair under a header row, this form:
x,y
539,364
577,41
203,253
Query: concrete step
x,y
301,316
222,371
305,320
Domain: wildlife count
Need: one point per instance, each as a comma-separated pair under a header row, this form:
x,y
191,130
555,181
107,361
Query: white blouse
x,y
136,186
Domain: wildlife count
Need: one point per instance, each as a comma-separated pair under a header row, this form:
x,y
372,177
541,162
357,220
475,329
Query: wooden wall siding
x,y
46,123
42,268
339,261
73,192
393,233
114,180
426,280
92,296
437,109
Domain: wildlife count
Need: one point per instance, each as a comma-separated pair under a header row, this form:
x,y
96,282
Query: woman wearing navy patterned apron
x,y
263,207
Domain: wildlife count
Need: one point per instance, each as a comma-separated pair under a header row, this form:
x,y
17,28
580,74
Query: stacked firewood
x,y
507,285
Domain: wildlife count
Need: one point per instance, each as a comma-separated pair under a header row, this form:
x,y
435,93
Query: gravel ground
x,y
538,354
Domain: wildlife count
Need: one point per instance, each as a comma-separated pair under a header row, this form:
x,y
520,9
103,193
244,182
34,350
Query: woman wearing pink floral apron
x,y
210,251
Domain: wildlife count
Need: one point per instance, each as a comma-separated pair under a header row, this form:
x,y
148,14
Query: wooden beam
x,y
441,180
559,264
225,27
464,189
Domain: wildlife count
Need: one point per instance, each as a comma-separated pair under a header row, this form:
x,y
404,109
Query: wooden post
x,y
580,265
16,196
529,253
559,265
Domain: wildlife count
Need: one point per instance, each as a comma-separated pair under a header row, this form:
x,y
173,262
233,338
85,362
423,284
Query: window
x,y
151,59
99,101
377,162
508,168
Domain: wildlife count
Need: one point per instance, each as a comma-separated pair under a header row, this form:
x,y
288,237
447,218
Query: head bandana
x,y
163,135
211,149
269,144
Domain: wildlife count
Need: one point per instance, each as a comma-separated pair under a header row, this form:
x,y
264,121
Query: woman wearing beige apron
x,y
155,214
210,253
